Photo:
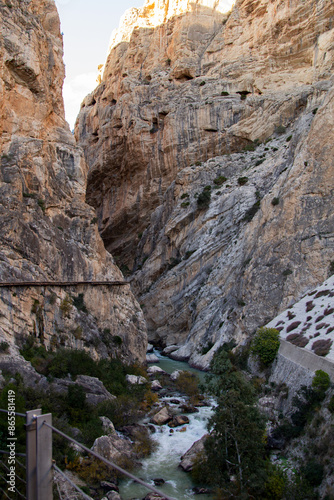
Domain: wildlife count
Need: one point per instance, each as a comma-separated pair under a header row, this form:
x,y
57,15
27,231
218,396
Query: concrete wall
x,y
296,367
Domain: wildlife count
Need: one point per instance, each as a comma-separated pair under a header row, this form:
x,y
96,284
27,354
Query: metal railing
x,y
39,464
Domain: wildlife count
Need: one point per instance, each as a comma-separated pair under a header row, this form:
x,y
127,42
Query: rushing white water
x,y
164,462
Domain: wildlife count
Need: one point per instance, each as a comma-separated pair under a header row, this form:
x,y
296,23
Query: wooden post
x,y
44,457
31,462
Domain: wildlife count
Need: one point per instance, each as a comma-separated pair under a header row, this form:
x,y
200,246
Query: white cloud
x,y
74,91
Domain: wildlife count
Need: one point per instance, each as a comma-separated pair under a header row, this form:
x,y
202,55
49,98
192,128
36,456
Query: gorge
x,y
201,174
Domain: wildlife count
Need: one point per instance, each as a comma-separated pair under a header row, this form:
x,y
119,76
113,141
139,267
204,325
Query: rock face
x,y
48,232
162,417
189,458
113,447
244,103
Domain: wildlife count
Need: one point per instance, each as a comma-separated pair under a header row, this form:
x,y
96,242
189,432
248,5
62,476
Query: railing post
x,y
31,464
44,457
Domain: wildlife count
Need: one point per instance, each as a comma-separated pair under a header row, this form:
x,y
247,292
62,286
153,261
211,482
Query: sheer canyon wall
x,y
209,143
48,232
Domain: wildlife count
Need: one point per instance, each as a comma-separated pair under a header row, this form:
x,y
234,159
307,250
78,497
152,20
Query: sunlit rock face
x,y
190,94
48,232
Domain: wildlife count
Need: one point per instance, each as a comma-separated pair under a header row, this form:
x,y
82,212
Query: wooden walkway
x,y
62,283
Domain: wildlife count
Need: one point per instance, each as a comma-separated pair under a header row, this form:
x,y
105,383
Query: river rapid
x,y
164,462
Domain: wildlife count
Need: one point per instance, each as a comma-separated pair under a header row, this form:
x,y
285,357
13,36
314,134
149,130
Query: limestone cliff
x,y
241,102
48,232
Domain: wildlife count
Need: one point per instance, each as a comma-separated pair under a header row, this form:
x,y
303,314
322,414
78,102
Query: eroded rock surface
x,y
191,98
47,230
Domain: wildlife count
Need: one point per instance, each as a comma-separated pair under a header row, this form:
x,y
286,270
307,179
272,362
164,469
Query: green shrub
x,y
249,147
188,383
321,383
251,212
224,93
275,201
218,181
204,199
207,348
280,129
185,204
41,204
313,473
79,303
331,405
66,305
266,344
117,340
242,180
4,346
184,195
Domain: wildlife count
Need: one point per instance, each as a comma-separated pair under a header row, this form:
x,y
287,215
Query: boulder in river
x,y
152,370
152,358
150,348
189,408
179,420
159,481
156,386
169,349
162,417
188,459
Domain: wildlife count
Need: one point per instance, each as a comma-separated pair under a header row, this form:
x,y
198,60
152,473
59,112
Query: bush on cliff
x,y
265,345
204,198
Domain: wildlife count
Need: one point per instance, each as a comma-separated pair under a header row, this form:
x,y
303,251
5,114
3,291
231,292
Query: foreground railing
x,y
39,464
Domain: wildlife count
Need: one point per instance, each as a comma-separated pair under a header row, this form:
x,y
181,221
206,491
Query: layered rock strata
x,y
189,96
48,232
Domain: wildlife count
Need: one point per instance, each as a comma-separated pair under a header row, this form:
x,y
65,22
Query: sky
x,y
86,26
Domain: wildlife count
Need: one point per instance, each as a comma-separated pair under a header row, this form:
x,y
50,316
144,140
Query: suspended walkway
x,y
8,284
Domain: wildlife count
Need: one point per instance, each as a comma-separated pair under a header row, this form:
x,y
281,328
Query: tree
x,y
235,448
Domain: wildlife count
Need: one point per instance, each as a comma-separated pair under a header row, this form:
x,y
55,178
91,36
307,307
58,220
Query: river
x,y
164,462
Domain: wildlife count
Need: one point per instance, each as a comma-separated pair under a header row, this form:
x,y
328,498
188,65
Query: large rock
x,y
180,107
107,425
152,358
47,231
189,458
136,380
153,370
178,420
95,391
156,386
114,448
162,416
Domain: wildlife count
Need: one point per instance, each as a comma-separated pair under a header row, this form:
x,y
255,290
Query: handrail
x,y
109,462
16,413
